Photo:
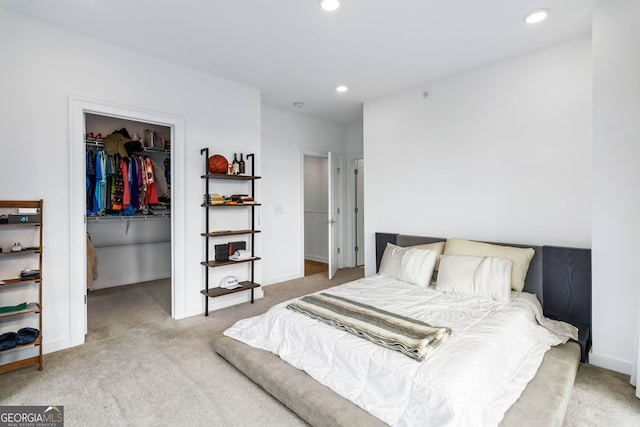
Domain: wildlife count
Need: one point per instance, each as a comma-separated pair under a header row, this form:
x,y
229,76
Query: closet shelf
x,y
98,218
149,149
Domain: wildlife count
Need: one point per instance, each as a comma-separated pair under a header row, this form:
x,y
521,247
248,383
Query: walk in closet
x,y
128,218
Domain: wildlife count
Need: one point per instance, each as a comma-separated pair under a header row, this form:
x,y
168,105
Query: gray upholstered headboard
x,y
559,276
533,282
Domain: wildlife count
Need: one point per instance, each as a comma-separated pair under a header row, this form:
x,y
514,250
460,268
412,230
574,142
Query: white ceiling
x,y
291,50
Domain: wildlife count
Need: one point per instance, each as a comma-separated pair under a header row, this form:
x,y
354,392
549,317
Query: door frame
x,y
350,205
78,107
324,155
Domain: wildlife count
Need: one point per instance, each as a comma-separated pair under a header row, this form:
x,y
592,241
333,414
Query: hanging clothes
x,y
151,194
90,166
124,183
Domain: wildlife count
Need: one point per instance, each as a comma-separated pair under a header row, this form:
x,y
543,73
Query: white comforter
x,y
472,379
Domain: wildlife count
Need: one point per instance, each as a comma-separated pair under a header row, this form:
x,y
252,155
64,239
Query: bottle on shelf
x,y
241,164
236,164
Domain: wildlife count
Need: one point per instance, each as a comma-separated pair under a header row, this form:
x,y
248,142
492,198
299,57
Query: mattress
x,y
494,350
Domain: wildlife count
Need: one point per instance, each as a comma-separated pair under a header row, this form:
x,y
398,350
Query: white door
x,y
334,212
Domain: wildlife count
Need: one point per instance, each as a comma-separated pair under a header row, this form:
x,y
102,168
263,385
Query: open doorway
x,y
79,107
128,219
316,242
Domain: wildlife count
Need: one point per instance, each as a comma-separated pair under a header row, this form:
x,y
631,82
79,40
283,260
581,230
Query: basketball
x,y
218,164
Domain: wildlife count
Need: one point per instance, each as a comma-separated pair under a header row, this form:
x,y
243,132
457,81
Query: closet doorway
x,y
141,239
128,219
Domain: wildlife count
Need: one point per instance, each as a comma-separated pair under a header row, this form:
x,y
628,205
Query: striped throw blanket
x,y
413,338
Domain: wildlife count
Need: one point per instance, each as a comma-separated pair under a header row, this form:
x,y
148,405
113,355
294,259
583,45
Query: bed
x,y
399,390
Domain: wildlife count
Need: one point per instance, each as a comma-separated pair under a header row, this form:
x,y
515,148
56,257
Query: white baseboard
x,y
57,345
611,363
284,278
317,258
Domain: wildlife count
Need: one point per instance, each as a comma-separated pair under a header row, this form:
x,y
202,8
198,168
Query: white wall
x,y
47,66
502,153
616,178
353,145
316,209
286,136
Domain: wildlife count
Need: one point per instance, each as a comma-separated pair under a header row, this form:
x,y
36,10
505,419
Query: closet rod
x,y
149,149
127,217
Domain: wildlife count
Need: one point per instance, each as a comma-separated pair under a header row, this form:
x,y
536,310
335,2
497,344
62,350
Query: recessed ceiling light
x,y
341,88
298,104
329,5
536,16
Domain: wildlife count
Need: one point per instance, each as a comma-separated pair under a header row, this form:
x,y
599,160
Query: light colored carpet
x,y
139,367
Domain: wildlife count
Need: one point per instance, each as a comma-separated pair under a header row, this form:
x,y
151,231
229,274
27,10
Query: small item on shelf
x,y
27,336
236,164
241,165
222,252
7,340
11,308
28,274
240,255
17,247
237,197
23,218
148,138
235,246
90,137
218,164
216,199
230,282
16,218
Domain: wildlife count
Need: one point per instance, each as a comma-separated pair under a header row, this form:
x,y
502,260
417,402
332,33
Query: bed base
x,y
560,277
543,402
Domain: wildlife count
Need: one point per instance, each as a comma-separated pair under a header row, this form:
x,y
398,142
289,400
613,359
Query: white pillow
x,y
484,277
410,264
521,257
436,246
